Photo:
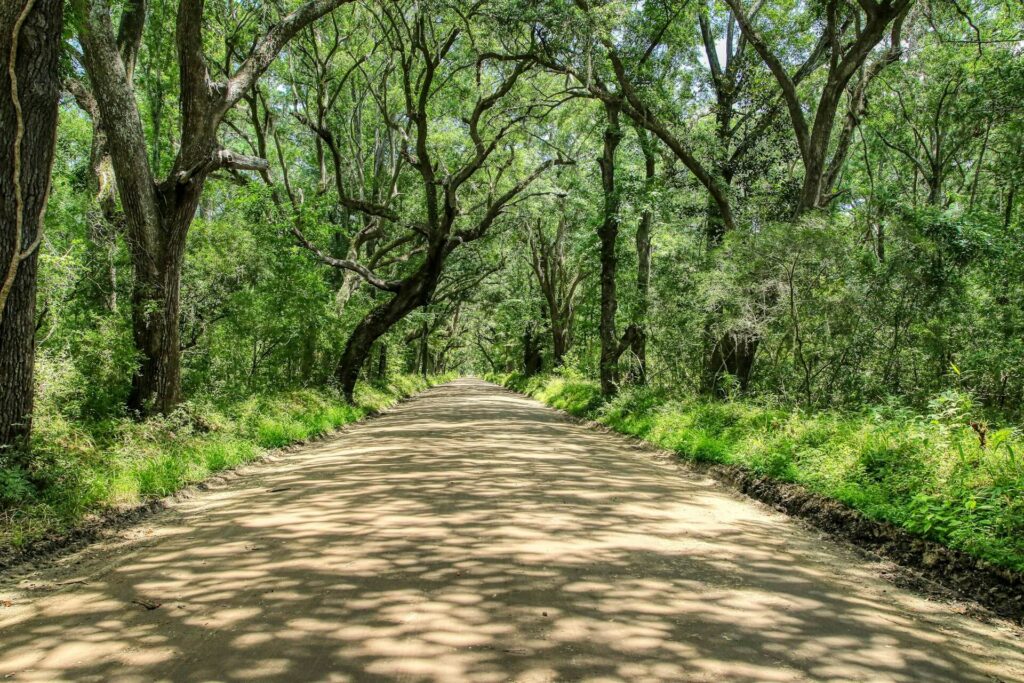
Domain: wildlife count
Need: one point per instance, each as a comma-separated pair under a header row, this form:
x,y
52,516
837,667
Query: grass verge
x,y
928,474
83,470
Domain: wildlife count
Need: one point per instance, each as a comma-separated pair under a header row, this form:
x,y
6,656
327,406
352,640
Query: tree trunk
x,y
732,355
415,291
156,306
608,233
559,342
638,373
371,328
376,323
34,35
533,359
156,385
935,182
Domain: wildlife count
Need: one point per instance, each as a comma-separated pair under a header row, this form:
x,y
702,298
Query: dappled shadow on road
x,y
473,535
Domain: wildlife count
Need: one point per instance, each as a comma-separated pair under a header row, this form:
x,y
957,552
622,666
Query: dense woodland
x,y
752,217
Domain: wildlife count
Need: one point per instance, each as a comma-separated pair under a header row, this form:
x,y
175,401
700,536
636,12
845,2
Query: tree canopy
x,y
814,204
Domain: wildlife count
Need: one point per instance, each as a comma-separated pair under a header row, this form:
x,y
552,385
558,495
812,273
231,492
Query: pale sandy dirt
x,y
473,535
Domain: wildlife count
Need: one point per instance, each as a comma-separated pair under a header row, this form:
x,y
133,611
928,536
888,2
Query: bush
x,y
14,485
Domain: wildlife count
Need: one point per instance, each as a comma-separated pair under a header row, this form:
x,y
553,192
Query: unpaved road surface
x,y
472,535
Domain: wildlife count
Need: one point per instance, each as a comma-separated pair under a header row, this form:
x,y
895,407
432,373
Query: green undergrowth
x,y
925,472
83,469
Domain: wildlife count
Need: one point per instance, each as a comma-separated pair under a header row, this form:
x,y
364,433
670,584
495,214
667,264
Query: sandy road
x,y
472,535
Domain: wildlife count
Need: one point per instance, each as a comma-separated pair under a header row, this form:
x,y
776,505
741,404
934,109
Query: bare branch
x,y
497,206
347,264
270,45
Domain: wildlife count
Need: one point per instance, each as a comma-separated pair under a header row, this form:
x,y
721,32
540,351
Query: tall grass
x,y
928,473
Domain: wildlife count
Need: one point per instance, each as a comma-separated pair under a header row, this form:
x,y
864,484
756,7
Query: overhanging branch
x,y
347,264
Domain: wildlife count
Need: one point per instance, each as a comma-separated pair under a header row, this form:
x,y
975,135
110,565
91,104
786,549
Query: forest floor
x,y
472,534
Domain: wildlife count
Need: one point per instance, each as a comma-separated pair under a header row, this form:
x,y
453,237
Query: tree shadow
x,y
474,535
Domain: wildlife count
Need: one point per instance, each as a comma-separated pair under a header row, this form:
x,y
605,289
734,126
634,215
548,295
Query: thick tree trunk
x,y
371,328
35,37
156,306
734,355
415,292
156,386
608,233
559,342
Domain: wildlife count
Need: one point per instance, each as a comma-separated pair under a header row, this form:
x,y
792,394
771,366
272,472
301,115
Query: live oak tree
x,y
600,61
760,224
850,34
843,49
746,116
429,54
159,212
30,32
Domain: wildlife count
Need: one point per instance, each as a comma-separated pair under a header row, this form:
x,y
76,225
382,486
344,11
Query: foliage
x,y
878,320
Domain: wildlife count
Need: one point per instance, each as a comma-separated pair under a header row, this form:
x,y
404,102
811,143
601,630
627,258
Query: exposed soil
x,y
474,535
921,564
999,589
46,549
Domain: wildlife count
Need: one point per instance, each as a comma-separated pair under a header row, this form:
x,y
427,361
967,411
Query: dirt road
x,y
472,535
